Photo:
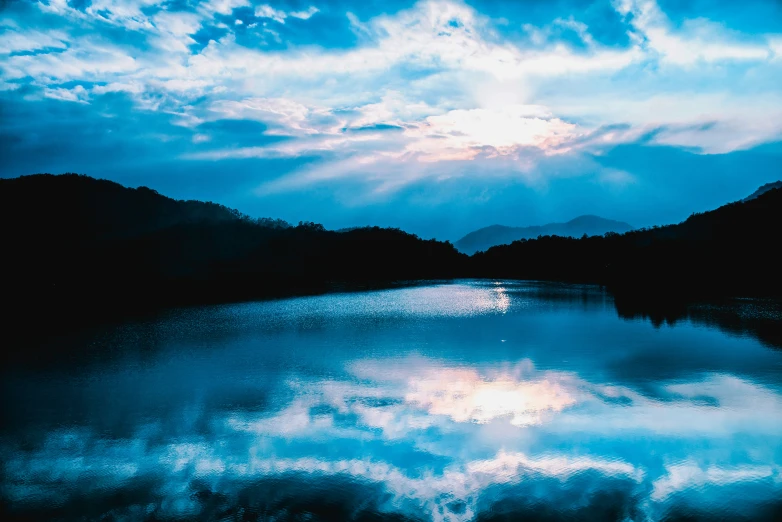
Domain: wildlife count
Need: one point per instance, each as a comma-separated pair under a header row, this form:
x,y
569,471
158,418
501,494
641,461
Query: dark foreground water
x,y
468,401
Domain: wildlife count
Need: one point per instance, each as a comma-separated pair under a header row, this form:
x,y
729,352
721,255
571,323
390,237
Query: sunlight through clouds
x,y
439,92
462,134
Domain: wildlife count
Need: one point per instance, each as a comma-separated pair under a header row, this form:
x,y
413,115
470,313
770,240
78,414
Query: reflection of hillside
x,y
758,318
761,319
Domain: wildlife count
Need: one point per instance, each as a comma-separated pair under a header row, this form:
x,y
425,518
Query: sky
x,y
438,117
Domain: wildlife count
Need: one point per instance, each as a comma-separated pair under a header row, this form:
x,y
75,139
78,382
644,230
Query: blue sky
x,y
436,116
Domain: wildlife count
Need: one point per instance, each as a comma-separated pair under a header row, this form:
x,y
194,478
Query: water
x,y
466,401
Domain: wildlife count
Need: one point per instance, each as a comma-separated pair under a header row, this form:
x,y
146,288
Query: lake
x,y
462,401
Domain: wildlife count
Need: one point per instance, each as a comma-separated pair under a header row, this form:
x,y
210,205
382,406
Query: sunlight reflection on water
x,y
449,402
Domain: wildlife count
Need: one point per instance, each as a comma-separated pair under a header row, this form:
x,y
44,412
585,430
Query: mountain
x,y
487,237
762,190
75,247
89,209
730,251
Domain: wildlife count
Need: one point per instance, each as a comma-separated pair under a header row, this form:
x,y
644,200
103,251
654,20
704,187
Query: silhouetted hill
x,y
77,249
762,190
77,245
732,250
487,237
88,208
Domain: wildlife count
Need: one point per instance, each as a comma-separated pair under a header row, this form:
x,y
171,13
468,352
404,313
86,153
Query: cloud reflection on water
x,y
436,409
413,435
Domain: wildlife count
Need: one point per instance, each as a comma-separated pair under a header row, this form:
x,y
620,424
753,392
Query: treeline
x,y
730,251
77,246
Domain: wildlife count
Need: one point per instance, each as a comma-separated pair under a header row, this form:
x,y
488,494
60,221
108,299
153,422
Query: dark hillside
x,y
77,245
79,248
733,250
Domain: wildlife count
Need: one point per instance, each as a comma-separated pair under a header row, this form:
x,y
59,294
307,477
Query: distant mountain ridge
x,y
729,251
487,237
762,190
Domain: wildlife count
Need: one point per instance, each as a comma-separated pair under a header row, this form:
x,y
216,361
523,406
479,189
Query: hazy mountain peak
x,y
762,190
591,219
487,237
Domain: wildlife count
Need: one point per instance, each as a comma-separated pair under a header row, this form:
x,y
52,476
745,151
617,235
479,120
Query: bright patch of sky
x,y
437,116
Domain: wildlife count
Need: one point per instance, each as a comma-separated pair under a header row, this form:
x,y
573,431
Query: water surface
x,y
464,401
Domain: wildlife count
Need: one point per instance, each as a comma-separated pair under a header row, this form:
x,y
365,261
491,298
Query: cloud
x,y
15,40
175,30
465,133
507,466
441,90
290,116
77,94
295,420
699,40
690,475
426,433
521,395
686,418
466,396
223,7
305,14
267,11
710,123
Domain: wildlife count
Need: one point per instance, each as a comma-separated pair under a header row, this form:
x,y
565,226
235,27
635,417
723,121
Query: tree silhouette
x,y
76,248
